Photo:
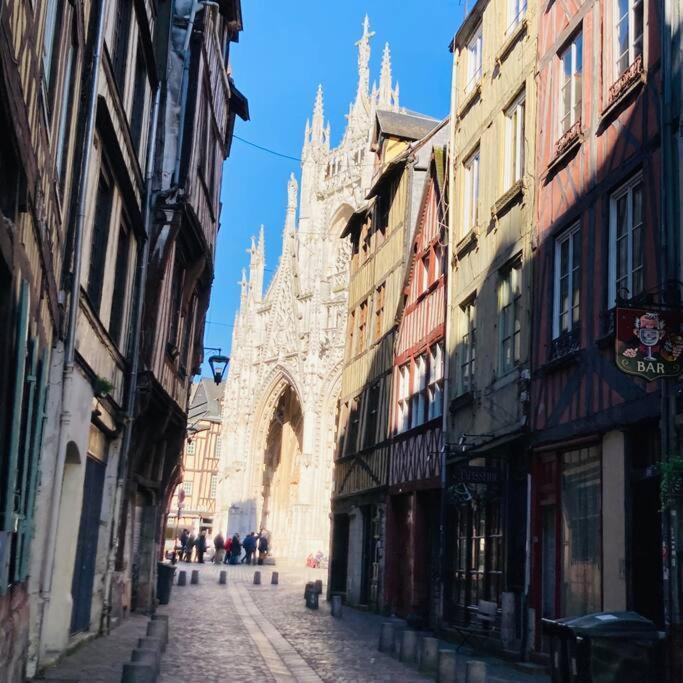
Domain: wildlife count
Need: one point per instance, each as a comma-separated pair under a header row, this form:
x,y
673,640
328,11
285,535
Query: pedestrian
x,y
228,550
182,540
191,540
249,547
200,545
219,545
262,546
235,549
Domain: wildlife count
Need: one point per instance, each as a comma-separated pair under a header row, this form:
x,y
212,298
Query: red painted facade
x,y
597,238
416,413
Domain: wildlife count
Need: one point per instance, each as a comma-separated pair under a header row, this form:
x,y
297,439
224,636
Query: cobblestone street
x,y
242,632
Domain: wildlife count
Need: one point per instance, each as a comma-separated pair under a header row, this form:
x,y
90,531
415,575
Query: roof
x,y
206,401
410,126
468,25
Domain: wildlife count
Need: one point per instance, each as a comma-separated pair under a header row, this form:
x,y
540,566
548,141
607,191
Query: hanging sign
x,y
649,343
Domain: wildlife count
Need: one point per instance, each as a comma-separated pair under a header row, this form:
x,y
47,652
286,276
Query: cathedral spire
x,y
244,286
256,266
262,242
364,60
292,189
387,96
318,126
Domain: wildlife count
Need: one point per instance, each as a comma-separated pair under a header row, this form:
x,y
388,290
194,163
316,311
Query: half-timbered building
x,y
489,282
596,542
380,231
413,538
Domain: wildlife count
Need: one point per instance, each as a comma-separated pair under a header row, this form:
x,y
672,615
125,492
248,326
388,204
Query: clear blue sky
x,y
285,50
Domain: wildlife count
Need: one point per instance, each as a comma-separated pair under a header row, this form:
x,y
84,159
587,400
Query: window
x,y
120,286
471,195
567,288
468,347
342,421
212,486
439,261
417,399
203,132
474,48
423,272
435,389
352,332
354,424
362,325
51,46
190,449
509,293
516,10
570,84
383,207
124,13
581,530
370,436
219,446
514,142
629,33
138,106
186,348
176,301
187,485
67,95
379,311
100,237
626,241
403,398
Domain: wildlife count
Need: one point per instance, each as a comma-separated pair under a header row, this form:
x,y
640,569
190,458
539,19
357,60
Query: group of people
x,y
228,551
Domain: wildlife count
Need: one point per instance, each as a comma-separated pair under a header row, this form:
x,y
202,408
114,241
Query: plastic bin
x,y
165,574
606,647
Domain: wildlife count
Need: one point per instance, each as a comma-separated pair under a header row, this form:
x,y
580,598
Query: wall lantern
x,y
218,364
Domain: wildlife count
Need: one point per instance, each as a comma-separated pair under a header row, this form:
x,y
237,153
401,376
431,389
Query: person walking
x,y
262,546
249,547
236,549
182,540
228,550
219,545
191,540
200,545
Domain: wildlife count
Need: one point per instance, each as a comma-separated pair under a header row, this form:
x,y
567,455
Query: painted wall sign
x,y
649,343
470,474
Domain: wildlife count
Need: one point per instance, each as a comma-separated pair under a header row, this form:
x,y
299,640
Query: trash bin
x,y
165,574
606,647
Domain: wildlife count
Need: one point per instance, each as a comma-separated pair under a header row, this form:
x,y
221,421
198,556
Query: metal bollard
x,y
137,672
409,646
448,669
274,579
147,656
182,578
386,637
475,672
319,587
336,606
429,654
194,578
257,578
158,629
223,577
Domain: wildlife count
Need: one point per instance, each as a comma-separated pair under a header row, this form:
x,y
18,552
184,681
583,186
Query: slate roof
x,y
406,125
206,401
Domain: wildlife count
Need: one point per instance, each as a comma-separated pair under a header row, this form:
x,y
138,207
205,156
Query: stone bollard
x,y
429,654
475,672
223,577
147,656
310,586
274,579
409,646
138,672
448,669
386,637
336,606
507,619
257,578
158,629
319,587
182,578
312,600
194,578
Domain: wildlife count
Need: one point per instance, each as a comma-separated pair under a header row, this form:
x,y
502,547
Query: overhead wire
x,y
266,149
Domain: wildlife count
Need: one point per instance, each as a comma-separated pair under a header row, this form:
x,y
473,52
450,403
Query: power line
x,y
265,149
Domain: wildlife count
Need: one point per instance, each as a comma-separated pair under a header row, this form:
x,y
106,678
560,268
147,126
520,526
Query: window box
x,y
516,34
624,86
465,399
507,200
566,344
570,138
467,243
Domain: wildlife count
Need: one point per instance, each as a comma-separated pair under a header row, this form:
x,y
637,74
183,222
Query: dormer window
x,y
474,50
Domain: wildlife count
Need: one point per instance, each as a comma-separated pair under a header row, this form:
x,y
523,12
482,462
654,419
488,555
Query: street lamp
x,y
218,364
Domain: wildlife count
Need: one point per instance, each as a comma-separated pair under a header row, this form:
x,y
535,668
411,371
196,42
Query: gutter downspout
x,y
74,307
122,472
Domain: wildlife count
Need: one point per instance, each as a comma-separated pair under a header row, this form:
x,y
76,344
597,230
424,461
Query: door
x,y
340,554
86,551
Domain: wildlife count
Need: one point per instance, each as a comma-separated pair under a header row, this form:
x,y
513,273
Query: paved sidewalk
x,y
241,632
